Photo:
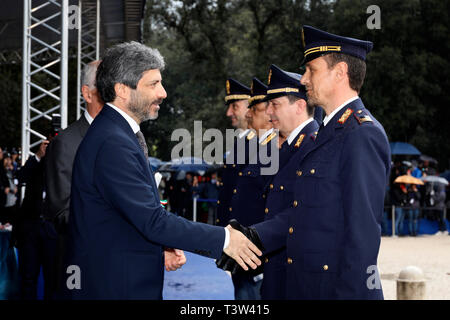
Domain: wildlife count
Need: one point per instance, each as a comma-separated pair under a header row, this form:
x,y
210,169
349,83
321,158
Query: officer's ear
x,y
341,70
301,106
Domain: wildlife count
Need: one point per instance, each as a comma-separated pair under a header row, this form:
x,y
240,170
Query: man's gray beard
x,y
139,109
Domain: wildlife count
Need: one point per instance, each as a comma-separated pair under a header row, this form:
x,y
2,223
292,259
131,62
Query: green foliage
x,y
204,42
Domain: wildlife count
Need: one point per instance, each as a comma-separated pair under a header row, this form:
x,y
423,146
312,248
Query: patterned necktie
x,y
142,143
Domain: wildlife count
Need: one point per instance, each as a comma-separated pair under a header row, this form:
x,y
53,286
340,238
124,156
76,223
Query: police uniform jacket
x,y
332,229
279,196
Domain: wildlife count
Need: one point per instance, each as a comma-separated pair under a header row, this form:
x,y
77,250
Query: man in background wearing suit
x,y
117,226
59,161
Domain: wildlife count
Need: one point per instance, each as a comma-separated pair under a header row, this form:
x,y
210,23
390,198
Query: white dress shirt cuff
x,y
227,238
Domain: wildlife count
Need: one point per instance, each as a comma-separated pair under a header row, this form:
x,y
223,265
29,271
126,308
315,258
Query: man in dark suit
x,y
117,226
59,161
61,152
332,231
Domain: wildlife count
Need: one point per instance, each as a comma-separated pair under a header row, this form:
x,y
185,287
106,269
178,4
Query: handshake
x,y
243,249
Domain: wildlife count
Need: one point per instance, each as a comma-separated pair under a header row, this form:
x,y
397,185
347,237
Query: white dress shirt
x,y
331,115
297,130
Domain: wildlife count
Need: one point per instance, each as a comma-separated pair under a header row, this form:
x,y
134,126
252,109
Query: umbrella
x,y
155,163
408,180
435,179
424,157
403,148
189,164
446,175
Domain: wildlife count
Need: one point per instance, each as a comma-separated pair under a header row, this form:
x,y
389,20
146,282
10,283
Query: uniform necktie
x,y
142,143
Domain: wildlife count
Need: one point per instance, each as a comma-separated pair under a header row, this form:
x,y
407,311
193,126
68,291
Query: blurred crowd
x,y
412,202
179,189
9,184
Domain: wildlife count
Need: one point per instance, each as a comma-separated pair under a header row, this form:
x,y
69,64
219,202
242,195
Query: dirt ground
x,y
431,253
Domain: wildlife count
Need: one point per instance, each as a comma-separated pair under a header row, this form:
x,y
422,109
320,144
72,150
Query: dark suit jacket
x,y
58,171
117,226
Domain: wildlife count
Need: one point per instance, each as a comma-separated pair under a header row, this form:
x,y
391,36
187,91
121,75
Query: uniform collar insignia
x,y
270,137
251,135
299,140
345,116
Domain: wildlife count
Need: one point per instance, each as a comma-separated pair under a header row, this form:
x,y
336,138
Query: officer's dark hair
x,y
356,68
125,63
309,108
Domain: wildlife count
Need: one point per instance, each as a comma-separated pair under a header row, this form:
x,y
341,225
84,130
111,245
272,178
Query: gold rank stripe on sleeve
x,y
251,135
322,49
237,97
299,140
283,90
345,116
270,137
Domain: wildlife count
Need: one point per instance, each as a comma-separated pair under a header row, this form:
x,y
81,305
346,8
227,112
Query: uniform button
x,y
325,267
316,132
217,220
295,203
221,184
234,191
240,173
234,166
249,172
289,260
359,111
264,196
230,209
218,201
291,230
266,210
299,173
266,260
281,188
313,171
225,166
271,186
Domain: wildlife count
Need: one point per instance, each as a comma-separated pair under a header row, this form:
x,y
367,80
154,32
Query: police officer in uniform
x,y
247,201
236,99
332,231
290,113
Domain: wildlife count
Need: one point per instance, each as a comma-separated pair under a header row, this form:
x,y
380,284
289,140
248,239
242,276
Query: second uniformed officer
x,y
290,113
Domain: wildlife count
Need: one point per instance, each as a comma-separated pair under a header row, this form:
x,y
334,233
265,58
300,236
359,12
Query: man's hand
x,y
242,250
173,259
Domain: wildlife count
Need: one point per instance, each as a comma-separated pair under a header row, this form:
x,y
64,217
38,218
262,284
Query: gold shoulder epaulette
x,y
345,116
270,137
363,118
299,140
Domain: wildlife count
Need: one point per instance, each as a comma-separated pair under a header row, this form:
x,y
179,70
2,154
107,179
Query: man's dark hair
x,y
125,63
356,68
309,108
